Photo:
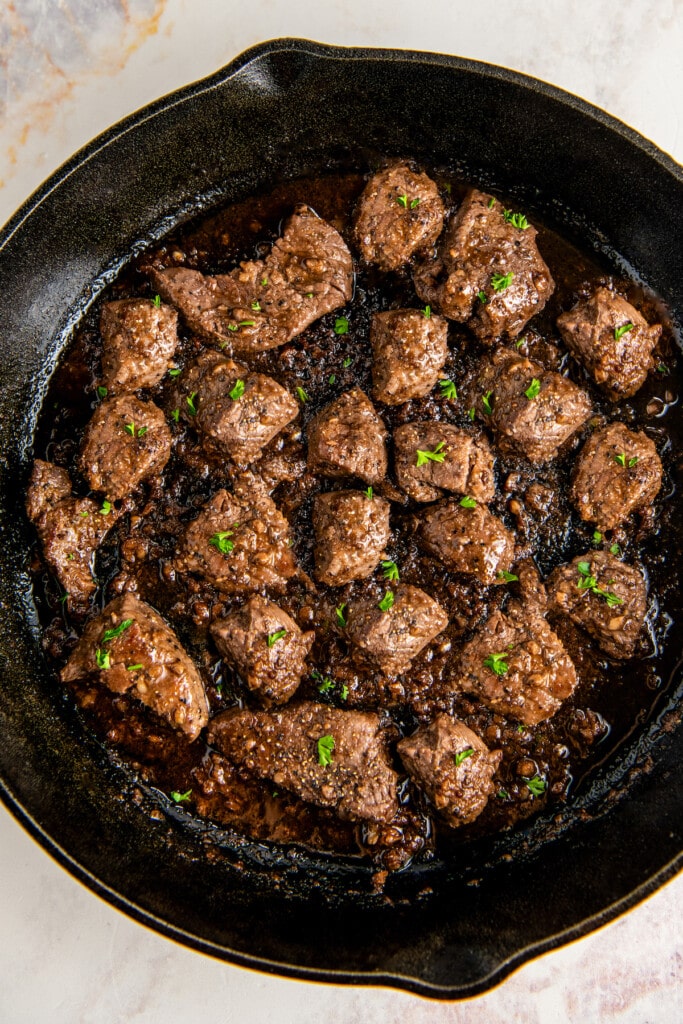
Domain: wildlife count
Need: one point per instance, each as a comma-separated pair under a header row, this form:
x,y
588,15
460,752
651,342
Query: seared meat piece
x,y
391,639
128,648
347,438
468,540
466,466
266,647
408,351
399,212
484,254
617,471
238,412
326,756
603,595
517,666
127,441
138,342
452,765
617,359
70,529
265,303
534,410
351,533
238,544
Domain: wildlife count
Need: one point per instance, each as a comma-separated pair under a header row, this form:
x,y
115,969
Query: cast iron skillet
x,y
446,929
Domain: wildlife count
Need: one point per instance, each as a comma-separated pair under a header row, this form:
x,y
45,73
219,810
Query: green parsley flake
x,y
115,633
264,282
414,203
467,502
615,550
64,597
237,391
369,493
427,312
437,455
486,402
84,514
341,325
471,413
518,344
180,798
174,371
103,659
347,362
106,508
537,786
192,403
332,378
499,282
402,201
620,459
503,794
533,389
274,637
597,537
390,568
587,581
508,577
256,306
497,663
157,301
482,298
518,220
462,755
142,431
344,692
221,542
632,461
130,429
325,747
134,668
387,601
303,397
491,203
448,390
662,368
326,685
619,332
340,616
102,391
175,415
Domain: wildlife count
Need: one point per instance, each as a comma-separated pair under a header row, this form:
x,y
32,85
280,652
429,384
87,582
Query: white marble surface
x,y
70,68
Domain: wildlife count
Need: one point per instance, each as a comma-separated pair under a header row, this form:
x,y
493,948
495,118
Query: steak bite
x,y
517,666
468,540
265,303
408,351
351,533
533,410
453,767
266,647
605,597
390,639
127,441
488,271
238,544
347,438
612,340
129,649
452,459
238,412
70,529
328,757
138,343
399,212
617,471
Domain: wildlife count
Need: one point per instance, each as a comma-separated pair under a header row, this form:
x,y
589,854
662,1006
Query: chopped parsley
x,y
537,786
414,203
157,301
619,332
106,508
332,379
325,747
341,325
390,568
462,755
192,403
497,663
503,794
130,429
103,659
486,402
369,493
615,550
437,455
340,616
102,391
533,389
387,601
597,537
518,220
587,581
180,798
491,203
264,282
274,637
347,362
472,413
221,542
84,514
303,397
402,201
620,459
662,368
256,306
142,431
237,391
326,685
448,390
467,502
64,597
508,577
175,415
174,371
499,282
482,297
115,633
134,668
427,312
344,692
518,344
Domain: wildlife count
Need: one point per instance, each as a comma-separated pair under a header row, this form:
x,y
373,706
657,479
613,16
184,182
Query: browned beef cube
x,y
517,666
347,438
138,343
484,255
265,303
399,212
612,340
239,544
127,441
326,756
238,412
604,596
129,649
453,767
408,350
534,410
465,468
468,540
351,533
266,647
617,471
70,529
391,638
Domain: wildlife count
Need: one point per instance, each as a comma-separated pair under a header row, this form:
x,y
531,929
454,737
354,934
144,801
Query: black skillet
x,y
447,929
